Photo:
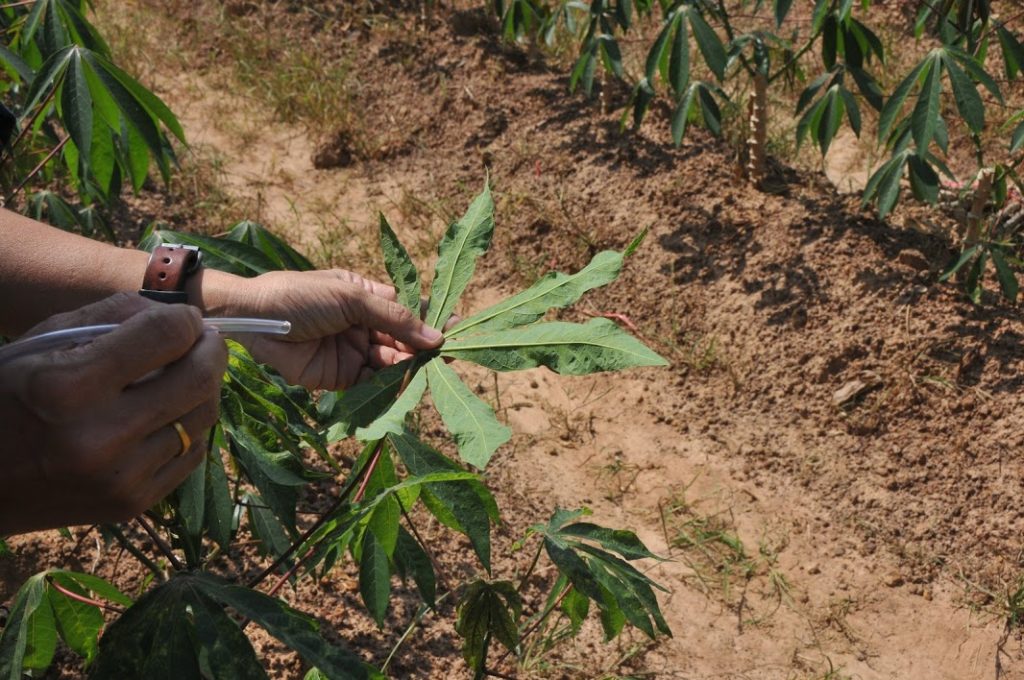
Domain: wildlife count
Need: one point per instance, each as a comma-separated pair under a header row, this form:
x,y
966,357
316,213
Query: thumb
x,y
379,314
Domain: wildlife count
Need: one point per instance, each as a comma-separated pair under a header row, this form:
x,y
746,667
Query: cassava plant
x,y
83,128
267,447
748,46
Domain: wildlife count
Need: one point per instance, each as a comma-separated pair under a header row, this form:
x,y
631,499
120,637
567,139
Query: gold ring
x,y
186,441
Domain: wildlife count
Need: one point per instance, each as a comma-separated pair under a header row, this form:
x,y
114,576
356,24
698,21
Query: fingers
x,y
382,356
151,339
376,288
392,318
179,388
162,450
113,309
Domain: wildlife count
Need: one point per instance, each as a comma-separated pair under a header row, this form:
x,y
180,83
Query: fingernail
x,y
431,335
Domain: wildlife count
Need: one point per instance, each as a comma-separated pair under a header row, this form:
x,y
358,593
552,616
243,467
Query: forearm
x,y
46,271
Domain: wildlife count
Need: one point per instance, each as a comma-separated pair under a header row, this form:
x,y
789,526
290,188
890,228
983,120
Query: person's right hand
x,y
87,435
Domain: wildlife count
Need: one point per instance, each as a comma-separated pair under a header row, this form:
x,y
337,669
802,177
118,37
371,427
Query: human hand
x,y
86,433
343,326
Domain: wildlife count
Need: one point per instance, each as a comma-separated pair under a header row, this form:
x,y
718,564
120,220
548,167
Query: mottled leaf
x,y
567,348
555,290
465,240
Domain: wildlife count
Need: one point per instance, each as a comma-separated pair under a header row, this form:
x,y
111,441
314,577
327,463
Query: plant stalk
x,y
123,541
81,598
161,544
36,170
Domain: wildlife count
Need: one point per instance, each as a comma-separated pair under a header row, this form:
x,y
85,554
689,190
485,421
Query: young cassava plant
x,y
263,452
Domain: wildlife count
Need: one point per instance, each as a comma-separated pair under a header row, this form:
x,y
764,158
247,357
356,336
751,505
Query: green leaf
x,y
97,586
291,627
554,291
79,623
282,255
487,611
76,106
968,102
191,501
895,102
927,109
657,50
1008,283
923,179
374,577
679,60
134,112
708,42
383,522
220,507
576,606
459,505
1013,52
361,404
46,80
566,348
393,420
819,14
868,87
266,528
1017,139
964,258
852,110
470,421
621,541
153,638
884,186
153,105
684,111
973,282
400,268
29,639
781,10
412,559
465,240
222,648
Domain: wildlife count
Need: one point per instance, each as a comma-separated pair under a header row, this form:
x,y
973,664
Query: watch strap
x,y
168,270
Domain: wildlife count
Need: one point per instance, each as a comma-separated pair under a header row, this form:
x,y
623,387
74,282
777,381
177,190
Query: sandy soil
x,y
870,530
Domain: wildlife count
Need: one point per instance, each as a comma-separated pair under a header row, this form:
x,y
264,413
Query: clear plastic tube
x,y
69,337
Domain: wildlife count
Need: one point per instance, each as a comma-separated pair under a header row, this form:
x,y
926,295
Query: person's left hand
x,y
343,326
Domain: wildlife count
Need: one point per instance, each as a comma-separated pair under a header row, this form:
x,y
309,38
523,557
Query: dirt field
x,y
876,539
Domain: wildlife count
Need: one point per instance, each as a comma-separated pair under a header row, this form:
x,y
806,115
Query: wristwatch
x,y
170,266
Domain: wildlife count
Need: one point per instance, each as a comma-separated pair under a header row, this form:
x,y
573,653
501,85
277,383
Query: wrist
x,y
218,293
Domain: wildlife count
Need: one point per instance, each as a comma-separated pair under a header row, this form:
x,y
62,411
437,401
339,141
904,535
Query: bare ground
x,y
878,539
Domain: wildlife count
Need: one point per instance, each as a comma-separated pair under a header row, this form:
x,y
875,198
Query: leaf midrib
x,y
465,404
541,293
516,345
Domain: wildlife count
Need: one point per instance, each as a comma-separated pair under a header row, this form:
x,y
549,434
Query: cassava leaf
x,y
466,239
411,559
374,577
470,421
400,268
282,255
25,643
222,649
360,405
393,420
488,611
968,102
291,627
566,348
927,109
555,290
1008,283
79,623
462,505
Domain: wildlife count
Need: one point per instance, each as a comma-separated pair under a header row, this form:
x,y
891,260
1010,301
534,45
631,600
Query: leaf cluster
x,y
80,117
